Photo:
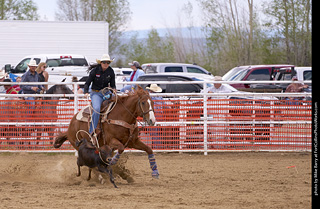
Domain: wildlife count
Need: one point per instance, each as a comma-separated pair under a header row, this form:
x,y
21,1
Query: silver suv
x,y
173,68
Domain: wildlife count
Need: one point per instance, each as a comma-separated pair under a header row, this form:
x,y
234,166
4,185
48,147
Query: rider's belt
x,y
95,90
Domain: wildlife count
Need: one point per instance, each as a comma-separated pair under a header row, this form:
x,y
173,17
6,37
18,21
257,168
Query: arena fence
x,y
199,122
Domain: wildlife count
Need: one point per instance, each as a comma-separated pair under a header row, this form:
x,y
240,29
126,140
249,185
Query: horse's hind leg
x,y
60,140
138,144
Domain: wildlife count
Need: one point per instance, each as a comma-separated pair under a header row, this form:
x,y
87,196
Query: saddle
x,y
85,116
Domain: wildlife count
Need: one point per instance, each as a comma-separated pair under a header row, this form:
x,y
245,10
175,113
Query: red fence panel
x,y
230,124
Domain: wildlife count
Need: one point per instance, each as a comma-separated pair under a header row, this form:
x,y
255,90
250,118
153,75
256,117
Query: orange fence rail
x,y
230,124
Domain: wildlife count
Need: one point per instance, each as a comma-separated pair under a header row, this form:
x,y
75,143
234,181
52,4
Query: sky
x,y
146,14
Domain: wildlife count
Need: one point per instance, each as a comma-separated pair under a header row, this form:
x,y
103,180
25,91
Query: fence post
x,y
75,85
205,118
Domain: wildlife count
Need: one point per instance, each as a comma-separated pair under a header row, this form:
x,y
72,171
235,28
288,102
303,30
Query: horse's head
x,y
60,89
145,106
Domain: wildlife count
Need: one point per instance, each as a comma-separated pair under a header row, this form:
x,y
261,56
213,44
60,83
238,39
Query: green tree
x,y
290,20
159,49
153,49
18,10
134,50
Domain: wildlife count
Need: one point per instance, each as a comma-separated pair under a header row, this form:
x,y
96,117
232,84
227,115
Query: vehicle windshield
x,y
150,69
209,84
67,62
307,75
233,73
197,79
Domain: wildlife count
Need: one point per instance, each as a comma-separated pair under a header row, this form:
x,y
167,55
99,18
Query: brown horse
x,y
120,128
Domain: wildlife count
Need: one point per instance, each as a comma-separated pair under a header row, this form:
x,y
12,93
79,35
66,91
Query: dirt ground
x,y
219,180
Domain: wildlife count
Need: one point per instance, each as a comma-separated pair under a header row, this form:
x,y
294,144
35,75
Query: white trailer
x,y
21,38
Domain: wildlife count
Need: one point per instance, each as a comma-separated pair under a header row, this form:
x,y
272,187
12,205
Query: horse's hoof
x,y
130,179
101,179
155,174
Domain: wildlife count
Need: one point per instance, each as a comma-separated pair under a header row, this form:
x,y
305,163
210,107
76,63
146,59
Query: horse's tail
x,y
60,139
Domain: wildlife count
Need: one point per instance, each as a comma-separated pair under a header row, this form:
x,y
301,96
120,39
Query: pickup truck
x,y
252,73
59,66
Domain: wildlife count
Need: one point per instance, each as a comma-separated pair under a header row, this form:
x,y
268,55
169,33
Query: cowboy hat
x,y
217,78
32,63
134,63
104,57
155,88
2,74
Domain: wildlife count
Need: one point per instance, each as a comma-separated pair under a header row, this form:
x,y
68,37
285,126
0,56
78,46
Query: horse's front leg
x,y
138,144
115,144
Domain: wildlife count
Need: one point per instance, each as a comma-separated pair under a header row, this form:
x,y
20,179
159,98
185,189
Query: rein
x,y
140,106
133,126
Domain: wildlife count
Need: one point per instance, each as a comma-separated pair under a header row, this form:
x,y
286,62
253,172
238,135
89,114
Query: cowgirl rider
x,y
101,76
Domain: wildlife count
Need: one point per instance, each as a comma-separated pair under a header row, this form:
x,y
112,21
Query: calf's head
x,y
106,153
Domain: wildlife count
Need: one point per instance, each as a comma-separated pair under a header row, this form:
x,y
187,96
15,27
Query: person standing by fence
x,y
217,110
9,88
158,105
135,74
31,76
42,73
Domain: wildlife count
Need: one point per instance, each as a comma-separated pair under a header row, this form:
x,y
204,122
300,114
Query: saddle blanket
x,y
85,113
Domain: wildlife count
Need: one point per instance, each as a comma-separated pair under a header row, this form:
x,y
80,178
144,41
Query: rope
x,y
102,90
91,138
92,141
90,111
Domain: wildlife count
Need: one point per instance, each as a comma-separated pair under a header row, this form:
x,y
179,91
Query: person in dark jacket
x,y
100,77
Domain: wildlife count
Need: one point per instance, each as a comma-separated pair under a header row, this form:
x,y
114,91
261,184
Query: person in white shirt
x,y
218,111
218,87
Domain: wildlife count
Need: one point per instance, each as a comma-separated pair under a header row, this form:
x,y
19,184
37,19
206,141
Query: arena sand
x,y
219,180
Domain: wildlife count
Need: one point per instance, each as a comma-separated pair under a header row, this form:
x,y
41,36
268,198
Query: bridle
x,y
141,109
144,112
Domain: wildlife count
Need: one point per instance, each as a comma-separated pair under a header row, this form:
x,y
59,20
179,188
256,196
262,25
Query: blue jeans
x,y
96,101
31,104
127,88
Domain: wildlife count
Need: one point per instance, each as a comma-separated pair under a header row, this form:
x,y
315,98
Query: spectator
x,y
158,105
135,74
18,79
9,88
217,111
31,76
218,87
42,73
17,87
79,90
293,88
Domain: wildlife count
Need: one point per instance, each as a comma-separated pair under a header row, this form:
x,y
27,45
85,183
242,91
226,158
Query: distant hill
x,y
178,32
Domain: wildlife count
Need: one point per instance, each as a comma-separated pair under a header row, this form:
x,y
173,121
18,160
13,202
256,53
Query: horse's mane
x,y
137,91
51,89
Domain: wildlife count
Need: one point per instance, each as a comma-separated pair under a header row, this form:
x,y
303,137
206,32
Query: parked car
x,y
173,68
235,108
174,88
251,73
286,74
59,65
